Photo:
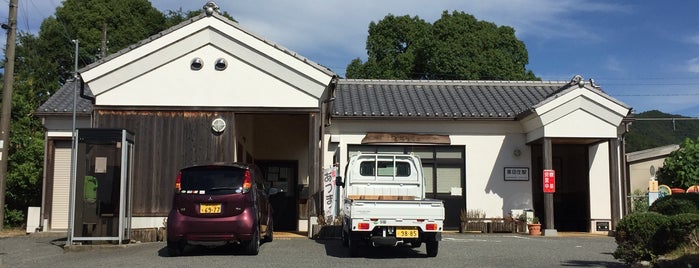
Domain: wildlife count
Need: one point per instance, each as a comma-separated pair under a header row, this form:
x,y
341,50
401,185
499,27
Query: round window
x,y
218,125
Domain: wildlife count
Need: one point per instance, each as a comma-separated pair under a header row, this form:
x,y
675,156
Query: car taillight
x,y
431,227
247,182
363,226
178,182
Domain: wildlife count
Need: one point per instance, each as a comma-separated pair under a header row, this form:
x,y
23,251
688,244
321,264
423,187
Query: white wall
x,y
600,191
639,173
486,158
489,148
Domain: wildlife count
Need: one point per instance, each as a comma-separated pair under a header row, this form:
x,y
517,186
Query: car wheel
x,y
252,247
269,235
175,249
432,248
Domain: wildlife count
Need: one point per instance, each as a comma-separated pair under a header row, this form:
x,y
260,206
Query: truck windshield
x,y
384,168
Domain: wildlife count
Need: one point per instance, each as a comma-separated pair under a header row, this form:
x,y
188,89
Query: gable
x,y
576,113
158,73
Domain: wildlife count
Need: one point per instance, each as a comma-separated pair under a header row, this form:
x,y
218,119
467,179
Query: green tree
x,y
125,22
455,47
648,134
681,167
44,62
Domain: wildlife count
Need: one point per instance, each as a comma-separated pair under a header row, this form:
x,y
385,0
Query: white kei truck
x,y
385,204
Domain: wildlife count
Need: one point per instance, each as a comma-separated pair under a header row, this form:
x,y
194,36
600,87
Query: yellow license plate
x,y
407,232
210,208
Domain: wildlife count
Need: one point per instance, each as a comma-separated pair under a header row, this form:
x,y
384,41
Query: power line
x,y
656,95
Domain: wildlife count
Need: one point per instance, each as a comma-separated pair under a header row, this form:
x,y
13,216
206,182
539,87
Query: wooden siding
x,y
165,142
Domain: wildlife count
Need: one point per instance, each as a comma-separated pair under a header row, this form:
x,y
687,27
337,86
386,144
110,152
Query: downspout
x,y
43,181
625,169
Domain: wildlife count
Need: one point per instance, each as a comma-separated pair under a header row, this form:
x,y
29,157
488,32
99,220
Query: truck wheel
x,y
432,248
345,239
353,246
252,247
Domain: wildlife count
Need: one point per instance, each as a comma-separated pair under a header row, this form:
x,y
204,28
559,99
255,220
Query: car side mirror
x,y
272,191
339,182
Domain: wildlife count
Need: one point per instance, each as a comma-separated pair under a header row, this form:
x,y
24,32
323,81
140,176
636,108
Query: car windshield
x,y
212,180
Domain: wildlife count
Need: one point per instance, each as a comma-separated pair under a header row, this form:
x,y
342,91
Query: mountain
x,y
658,130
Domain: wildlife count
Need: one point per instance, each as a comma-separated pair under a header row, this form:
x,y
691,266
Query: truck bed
x,y
426,209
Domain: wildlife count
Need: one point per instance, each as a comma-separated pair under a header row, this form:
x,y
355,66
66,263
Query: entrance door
x,y
61,185
571,201
443,182
282,175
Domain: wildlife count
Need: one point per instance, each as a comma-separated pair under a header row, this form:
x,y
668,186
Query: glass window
x,y
448,177
447,154
384,169
390,150
429,179
212,180
367,169
354,150
423,153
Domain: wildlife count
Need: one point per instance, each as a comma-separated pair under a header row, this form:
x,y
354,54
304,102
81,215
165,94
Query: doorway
x,y
282,175
571,201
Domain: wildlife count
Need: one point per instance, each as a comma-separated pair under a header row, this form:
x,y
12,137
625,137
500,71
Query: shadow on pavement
x,y
334,248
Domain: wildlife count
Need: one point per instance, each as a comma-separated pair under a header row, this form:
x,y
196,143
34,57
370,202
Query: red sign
x,y
549,181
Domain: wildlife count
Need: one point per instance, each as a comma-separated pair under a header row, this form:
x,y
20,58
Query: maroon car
x,y
219,204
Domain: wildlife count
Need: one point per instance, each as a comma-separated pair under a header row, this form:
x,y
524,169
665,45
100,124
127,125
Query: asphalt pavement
x,y
289,250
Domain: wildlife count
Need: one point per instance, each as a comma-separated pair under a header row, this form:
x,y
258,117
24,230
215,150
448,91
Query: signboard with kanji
x,y
549,181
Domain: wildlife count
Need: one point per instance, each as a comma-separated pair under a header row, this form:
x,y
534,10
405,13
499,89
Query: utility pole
x,y
103,50
9,75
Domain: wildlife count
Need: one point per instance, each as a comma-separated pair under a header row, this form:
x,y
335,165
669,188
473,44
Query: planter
x,y
472,227
534,228
677,190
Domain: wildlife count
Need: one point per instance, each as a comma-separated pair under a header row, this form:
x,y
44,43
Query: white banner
x,y
329,196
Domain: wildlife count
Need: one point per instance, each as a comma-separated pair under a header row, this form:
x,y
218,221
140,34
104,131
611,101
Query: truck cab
x,y
385,204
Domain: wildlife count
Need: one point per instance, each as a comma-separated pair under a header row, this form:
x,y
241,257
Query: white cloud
x,y
333,32
693,65
694,39
613,64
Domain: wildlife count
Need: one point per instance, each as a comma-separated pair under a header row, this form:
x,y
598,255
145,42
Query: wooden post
x,y
548,197
615,182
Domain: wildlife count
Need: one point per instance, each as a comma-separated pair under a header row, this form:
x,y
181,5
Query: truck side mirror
x,y
339,182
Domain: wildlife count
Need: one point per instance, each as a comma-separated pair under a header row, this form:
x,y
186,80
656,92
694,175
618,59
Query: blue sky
x,y
643,53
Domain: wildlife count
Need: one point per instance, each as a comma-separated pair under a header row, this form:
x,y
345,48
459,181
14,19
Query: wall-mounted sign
x,y
516,174
549,181
652,186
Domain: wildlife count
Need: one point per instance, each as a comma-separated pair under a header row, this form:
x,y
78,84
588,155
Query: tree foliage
x,y
650,134
44,62
455,47
681,167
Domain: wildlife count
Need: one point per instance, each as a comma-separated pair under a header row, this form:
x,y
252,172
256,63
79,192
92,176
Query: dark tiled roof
x,y
419,99
61,102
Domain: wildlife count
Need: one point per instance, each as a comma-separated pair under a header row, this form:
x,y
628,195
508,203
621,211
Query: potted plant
x,y
534,226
